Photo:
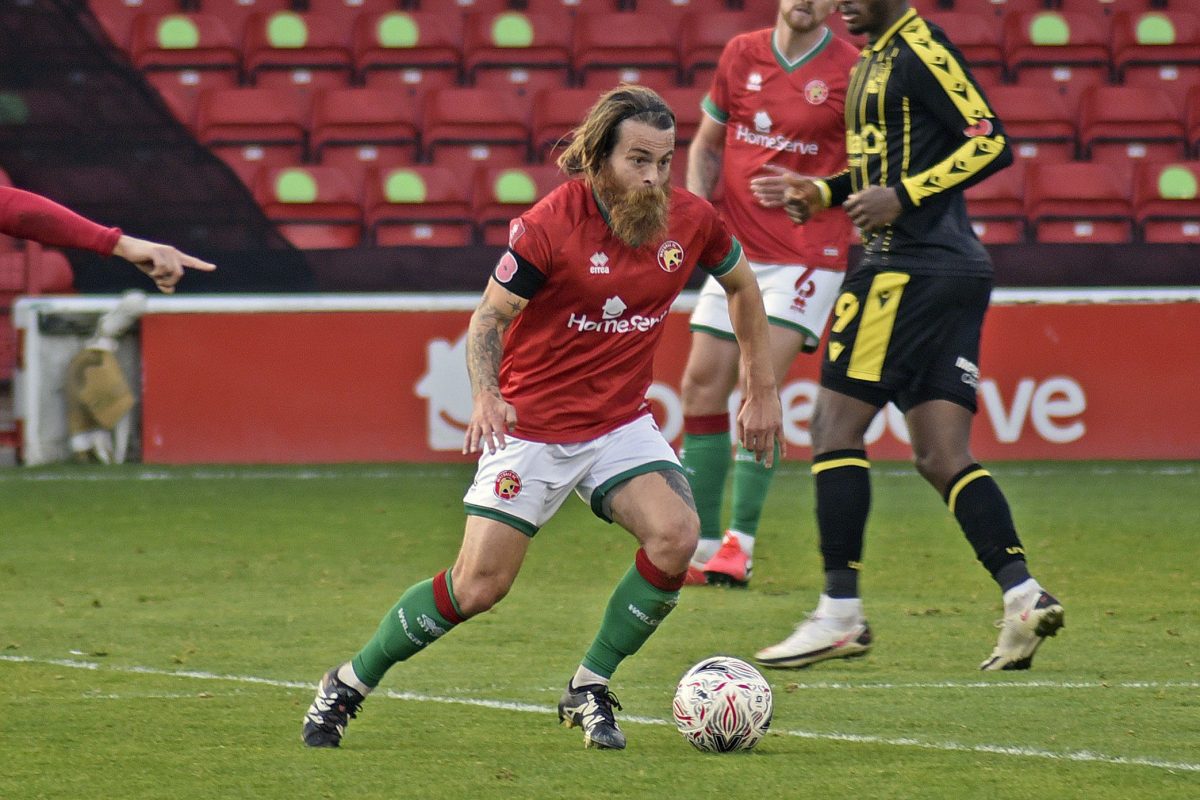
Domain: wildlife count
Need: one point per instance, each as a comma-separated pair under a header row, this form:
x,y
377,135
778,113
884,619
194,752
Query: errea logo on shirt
x,y
754,82
611,319
599,264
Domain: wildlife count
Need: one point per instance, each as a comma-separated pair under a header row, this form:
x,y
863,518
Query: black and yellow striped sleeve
x,y
943,85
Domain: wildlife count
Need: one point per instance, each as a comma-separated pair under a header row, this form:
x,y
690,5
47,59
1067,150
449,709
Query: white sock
x,y
1018,595
347,676
705,549
842,609
584,677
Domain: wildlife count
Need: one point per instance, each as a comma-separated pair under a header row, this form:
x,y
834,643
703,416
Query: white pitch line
x,y
1080,756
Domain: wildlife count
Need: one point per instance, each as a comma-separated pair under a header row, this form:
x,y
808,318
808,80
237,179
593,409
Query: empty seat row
x,y
325,207
252,127
1072,50
1112,123
249,127
590,49
1087,202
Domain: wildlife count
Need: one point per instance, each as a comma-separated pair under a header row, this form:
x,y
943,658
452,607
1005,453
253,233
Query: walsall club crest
x,y
508,485
816,91
670,255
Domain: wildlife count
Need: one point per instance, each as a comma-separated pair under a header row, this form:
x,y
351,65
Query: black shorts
x,y
906,338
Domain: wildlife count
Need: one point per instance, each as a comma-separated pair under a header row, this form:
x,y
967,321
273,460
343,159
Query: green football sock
x,y
751,482
634,612
705,459
413,623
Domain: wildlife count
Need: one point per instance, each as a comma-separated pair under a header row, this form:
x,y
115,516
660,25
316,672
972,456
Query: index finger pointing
x,y
192,262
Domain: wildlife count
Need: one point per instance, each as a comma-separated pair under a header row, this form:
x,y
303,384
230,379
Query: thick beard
x,y
637,216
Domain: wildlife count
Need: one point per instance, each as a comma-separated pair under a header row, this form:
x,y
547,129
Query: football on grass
x,y
723,704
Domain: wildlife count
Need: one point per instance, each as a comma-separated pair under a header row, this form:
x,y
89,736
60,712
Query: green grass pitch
x,y
161,631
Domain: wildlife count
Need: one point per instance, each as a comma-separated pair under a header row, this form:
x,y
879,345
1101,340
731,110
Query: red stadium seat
x,y
1158,49
1166,201
517,49
1127,122
286,48
1103,6
463,128
345,12
315,208
183,41
571,6
236,12
30,269
609,49
556,112
410,49
1067,51
996,206
685,102
422,205
184,54
997,8
501,193
354,128
1079,202
979,39
1037,121
252,127
672,12
764,12
116,16
702,38
464,6
1192,120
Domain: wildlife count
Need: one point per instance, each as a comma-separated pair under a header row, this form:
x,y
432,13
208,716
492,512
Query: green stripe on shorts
x,y
508,519
603,489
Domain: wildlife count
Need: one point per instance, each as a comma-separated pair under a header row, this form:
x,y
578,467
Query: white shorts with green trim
x,y
796,297
524,484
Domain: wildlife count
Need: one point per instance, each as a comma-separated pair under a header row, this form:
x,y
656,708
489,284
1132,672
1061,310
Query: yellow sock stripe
x,y
834,463
962,482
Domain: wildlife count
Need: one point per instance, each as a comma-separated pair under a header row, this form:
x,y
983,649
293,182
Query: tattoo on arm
x,y
485,347
704,170
710,171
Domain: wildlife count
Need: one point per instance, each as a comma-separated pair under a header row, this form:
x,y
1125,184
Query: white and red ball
x,y
723,704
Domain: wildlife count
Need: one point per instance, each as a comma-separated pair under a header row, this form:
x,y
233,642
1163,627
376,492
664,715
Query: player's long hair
x,y
593,141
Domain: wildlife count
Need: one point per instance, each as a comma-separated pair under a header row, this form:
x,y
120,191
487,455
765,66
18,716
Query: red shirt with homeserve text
x,y
578,359
791,115
26,215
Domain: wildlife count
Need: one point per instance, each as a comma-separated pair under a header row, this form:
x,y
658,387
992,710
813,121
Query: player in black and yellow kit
x,y
906,327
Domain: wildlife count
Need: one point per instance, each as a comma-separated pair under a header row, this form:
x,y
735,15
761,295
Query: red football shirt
x,y
26,215
578,359
792,115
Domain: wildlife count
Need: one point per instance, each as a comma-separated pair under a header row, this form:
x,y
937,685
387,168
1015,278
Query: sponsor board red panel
x,y
1068,381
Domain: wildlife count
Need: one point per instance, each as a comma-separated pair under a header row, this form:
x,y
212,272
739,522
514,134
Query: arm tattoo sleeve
x,y
707,172
485,347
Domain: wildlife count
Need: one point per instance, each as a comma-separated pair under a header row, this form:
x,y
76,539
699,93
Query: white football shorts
x,y
795,297
524,484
